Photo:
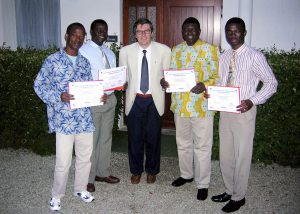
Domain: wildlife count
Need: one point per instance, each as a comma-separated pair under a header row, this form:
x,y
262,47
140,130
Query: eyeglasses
x,y
141,32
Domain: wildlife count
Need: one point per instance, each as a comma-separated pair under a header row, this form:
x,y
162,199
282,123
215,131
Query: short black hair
x,y
236,20
73,26
142,21
98,21
191,20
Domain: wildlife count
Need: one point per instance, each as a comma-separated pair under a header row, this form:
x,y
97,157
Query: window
x,y
38,23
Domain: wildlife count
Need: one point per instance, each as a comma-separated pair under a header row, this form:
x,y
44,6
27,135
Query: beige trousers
x,y
64,150
236,144
194,138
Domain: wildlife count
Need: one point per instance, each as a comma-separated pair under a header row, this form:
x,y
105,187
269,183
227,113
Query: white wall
x,y
230,9
274,22
85,11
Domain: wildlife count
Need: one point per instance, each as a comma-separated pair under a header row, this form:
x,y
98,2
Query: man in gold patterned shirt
x,y
194,124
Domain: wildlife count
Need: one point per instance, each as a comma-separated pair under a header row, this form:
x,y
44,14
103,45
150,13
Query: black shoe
x,y
221,198
202,194
180,181
90,187
233,206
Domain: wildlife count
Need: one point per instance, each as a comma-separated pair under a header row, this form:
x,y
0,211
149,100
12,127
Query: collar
x,y
95,45
197,43
62,51
240,49
148,49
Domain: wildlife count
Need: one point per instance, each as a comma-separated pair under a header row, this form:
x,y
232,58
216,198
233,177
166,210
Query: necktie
x,y
104,59
144,74
231,69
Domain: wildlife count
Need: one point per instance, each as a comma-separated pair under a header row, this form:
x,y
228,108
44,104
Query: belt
x,y
145,96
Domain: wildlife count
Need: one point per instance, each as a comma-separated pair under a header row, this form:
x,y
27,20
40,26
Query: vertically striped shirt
x,y
204,58
251,67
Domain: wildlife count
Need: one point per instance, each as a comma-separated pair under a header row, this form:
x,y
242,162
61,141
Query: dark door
x,y
167,17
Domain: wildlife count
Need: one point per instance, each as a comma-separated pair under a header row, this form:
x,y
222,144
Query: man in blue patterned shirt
x,y
72,126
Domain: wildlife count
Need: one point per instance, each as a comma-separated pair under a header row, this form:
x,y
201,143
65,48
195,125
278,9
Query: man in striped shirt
x,y
236,131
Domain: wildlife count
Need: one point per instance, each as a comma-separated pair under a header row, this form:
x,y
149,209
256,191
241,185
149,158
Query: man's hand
x,y
104,98
199,88
164,84
66,97
206,95
125,86
245,106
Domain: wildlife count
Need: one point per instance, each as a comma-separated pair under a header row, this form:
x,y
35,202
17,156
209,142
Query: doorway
x,y
167,17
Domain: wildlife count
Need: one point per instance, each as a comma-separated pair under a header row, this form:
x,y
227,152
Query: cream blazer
x,y
160,59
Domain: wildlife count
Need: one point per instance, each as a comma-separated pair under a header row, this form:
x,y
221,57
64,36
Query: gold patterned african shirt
x,y
204,58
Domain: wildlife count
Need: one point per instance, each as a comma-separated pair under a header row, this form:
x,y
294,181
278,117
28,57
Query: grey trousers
x,y
103,117
236,144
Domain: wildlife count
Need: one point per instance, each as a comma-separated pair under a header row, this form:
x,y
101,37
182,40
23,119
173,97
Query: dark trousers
x,y
144,128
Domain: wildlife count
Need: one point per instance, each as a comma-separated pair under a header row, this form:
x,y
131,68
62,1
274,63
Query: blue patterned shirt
x,y
52,80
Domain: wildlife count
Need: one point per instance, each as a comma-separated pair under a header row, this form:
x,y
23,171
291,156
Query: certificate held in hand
x,y
180,80
223,98
113,78
86,93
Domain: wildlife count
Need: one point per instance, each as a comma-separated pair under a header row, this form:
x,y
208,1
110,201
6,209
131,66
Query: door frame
x,y
163,11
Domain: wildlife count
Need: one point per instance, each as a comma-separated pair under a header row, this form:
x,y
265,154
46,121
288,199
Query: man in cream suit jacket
x,y
144,100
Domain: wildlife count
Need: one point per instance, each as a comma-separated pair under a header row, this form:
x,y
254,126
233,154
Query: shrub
x,y
24,122
23,114
119,94
277,137
23,118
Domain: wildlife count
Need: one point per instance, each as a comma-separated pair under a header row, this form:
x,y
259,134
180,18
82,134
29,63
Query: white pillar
x,y
246,12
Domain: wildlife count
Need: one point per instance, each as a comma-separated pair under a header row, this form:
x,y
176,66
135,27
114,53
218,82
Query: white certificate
x,y
223,98
86,93
180,80
113,78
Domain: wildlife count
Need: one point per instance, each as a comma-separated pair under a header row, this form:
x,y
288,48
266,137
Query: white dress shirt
x,y
92,52
140,59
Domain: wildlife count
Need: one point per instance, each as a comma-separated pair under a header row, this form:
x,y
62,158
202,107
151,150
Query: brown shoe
x,y
90,187
135,179
110,179
151,178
